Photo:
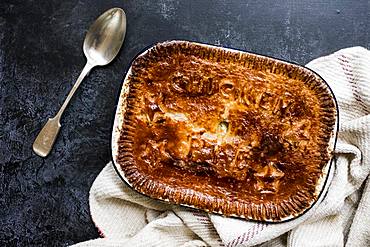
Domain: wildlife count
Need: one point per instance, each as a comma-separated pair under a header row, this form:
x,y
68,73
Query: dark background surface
x,y
44,202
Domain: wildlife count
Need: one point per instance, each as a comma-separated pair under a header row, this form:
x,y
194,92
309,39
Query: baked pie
x,y
224,131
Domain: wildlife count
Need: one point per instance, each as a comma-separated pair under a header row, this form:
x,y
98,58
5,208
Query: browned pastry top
x,y
225,132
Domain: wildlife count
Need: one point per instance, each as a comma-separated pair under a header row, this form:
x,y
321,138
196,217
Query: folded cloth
x,y
126,218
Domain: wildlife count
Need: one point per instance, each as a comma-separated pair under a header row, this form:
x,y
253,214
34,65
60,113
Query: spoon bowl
x,y
105,37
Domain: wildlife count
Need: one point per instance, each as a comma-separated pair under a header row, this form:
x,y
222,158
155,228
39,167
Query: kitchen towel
x,y
341,218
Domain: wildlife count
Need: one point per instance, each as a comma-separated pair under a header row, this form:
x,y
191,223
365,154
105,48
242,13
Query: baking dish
x,y
264,207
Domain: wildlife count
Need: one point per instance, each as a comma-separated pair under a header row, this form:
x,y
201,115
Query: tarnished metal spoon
x,y
102,43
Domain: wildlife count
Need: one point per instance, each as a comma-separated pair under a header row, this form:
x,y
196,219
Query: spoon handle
x,y
48,134
84,72
46,138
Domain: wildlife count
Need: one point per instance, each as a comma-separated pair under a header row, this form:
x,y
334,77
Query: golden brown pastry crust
x,y
227,132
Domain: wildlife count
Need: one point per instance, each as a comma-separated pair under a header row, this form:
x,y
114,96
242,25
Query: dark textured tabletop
x,y
44,201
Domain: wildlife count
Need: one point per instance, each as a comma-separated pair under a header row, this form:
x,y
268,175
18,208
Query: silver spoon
x,y
102,43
